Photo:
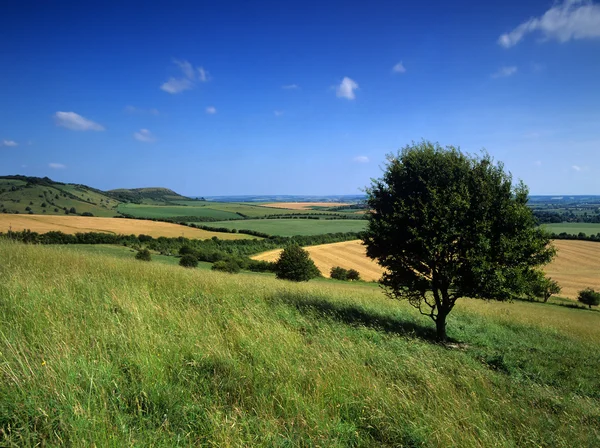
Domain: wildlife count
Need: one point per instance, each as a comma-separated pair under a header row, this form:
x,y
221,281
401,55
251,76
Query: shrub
x,y
72,210
295,264
339,273
589,297
188,261
143,255
86,214
353,275
226,266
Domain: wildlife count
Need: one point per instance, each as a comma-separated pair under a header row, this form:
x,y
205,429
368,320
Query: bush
x,y
72,210
226,266
353,275
188,261
143,255
295,264
86,214
339,273
589,297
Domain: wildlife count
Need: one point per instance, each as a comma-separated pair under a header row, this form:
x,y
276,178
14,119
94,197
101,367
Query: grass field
x,y
574,228
168,211
75,224
302,205
102,351
577,265
291,227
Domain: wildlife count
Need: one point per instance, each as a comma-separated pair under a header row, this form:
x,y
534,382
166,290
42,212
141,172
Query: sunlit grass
x,y
100,350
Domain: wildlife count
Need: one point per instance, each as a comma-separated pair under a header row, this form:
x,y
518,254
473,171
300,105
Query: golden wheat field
x,y
303,205
82,224
577,265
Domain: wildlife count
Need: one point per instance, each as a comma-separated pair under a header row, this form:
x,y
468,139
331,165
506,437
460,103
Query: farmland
x,y
112,350
303,205
576,266
80,224
574,228
291,227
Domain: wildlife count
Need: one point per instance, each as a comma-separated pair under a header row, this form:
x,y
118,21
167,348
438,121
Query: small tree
x,y
73,210
143,255
545,287
589,297
339,273
295,264
353,275
188,261
447,225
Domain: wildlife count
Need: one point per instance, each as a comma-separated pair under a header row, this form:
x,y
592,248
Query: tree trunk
x,y
440,325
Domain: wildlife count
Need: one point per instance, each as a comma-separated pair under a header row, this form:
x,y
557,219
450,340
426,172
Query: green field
x,y
291,227
97,350
574,228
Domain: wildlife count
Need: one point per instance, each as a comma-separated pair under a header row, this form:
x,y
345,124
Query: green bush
x,y
339,273
143,255
226,266
353,275
188,261
589,297
295,264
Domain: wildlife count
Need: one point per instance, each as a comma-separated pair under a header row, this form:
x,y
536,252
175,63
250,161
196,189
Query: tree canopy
x,y
445,225
295,264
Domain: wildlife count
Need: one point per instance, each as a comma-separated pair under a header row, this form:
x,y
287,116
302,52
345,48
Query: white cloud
x,y
9,143
177,85
211,110
144,135
291,87
278,113
573,19
137,110
361,159
399,68
57,166
577,168
346,88
190,76
76,122
505,72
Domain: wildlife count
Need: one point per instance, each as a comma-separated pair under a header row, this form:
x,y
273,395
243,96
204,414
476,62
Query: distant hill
x,y
43,196
146,195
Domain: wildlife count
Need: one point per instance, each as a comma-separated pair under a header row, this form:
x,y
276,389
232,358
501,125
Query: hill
x,y
101,351
35,195
151,195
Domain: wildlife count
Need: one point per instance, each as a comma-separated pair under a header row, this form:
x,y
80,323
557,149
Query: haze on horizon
x,y
234,98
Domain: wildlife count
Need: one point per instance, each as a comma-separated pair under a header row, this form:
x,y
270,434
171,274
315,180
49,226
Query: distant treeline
x,y
580,236
549,217
172,246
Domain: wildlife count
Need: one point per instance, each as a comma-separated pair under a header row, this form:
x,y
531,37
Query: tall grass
x,y
103,351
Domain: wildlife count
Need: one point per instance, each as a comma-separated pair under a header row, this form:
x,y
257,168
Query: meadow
x,y
96,350
81,224
292,227
574,228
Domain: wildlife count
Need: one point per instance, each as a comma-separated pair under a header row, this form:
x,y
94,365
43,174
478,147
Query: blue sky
x,y
276,97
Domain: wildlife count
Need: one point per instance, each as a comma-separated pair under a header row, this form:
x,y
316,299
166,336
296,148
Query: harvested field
x,y
82,224
303,205
577,266
347,254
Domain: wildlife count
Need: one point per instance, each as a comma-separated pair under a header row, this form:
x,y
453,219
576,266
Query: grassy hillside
x,y
96,350
150,195
51,198
291,227
574,228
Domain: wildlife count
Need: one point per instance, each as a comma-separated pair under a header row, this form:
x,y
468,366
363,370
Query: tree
x,y
545,287
353,275
72,210
339,273
446,225
589,297
295,264
143,255
188,261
